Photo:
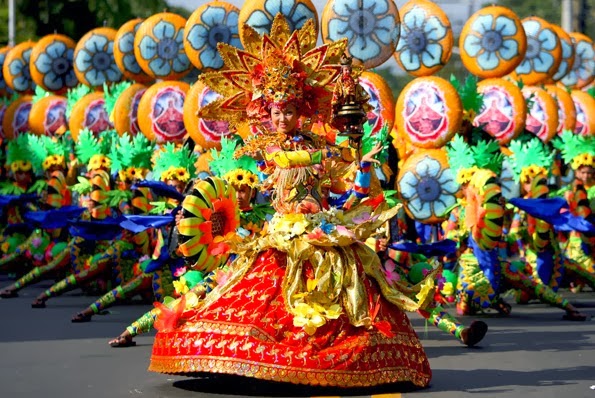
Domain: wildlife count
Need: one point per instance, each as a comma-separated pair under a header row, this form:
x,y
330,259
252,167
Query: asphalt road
x,y
42,354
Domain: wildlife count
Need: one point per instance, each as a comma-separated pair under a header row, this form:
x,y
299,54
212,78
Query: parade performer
x,y
174,166
535,237
17,198
579,153
478,224
55,204
307,296
90,253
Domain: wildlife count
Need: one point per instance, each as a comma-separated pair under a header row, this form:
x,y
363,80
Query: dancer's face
x,y
244,195
285,119
586,174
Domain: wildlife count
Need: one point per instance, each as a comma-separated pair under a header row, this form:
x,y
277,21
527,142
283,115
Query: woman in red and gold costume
x,y
307,301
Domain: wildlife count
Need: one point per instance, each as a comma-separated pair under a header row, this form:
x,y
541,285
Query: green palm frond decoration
x,y
111,94
40,93
83,187
470,97
369,141
38,186
142,152
460,154
170,156
74,95
86,146
224,161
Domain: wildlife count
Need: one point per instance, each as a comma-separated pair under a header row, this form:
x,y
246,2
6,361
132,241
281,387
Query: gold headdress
x,y
275,69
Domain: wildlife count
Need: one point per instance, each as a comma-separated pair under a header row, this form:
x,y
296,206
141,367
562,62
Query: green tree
x,y
74,18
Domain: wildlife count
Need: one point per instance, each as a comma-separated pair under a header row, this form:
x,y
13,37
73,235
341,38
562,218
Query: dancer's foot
x,y
81,317
9,293
502,307
473,334
38,303
123,340
574,315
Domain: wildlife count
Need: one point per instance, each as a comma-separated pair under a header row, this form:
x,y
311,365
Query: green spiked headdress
x,y
577,150
172,162
111,95
131,156
529,159
238,172
18,154
465,159
49,151
94,151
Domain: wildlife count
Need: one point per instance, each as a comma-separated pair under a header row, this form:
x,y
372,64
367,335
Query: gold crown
x,y
282,67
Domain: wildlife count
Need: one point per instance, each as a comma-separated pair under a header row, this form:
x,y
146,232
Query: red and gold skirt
x,y
248,331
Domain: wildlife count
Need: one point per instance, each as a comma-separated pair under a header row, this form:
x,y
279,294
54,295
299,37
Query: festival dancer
x,y
153,276
56,201
314,293
478,224
88,251
579,153
537,242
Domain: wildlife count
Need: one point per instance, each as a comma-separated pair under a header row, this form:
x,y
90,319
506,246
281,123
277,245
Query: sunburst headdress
x,y
280,68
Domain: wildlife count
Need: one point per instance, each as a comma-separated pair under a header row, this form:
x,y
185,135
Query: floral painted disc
x,y
429,111
492,42
5,91
51,63
159,47
585,113
503,111
426,39
89,113
125,113
543,55
259,14
16,68
372,28
583,69
94,62
542,116
212,23
567,53
124,52
48,116
427,185
381,99
566,109
161,112
16,117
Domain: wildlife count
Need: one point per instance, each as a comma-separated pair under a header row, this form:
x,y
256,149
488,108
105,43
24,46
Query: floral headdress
x,y
279,68
529,159
172,162
131,157
93,151
238,172
465,160
577,150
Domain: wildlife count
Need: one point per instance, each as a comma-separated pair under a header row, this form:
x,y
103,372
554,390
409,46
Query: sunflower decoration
x,y
529,160
280,67
211,216
577,150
